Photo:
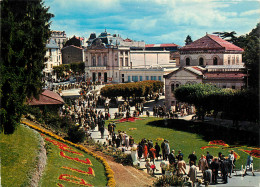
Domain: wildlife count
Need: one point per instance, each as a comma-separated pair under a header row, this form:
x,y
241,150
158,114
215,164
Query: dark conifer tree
x,y
24,32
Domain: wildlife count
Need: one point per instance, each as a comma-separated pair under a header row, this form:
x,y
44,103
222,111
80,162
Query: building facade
x,y
210,50
59,37
72,54
111,59
209,59
53,55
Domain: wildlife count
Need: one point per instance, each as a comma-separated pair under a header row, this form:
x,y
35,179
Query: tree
x,y
228,36
251,58
188,40
23,39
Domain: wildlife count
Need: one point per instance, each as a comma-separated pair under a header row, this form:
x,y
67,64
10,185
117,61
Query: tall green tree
x,y
251,58
188,40
25,30
228,36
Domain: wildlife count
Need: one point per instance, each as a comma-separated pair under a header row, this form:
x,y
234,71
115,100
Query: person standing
x,y
172,159
167,149
202,163
140,150
207,176
157,148
163,166
181,166
145,150
192,173
163,149
215,167
192,157
224,165
231,159
249,164
179,155
209,158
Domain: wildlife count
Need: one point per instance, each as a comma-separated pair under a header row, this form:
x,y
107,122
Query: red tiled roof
x,y
224,75
161,45
47,97
211,42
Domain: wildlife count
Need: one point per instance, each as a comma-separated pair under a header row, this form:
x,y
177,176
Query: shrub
x,y
169,181
76,134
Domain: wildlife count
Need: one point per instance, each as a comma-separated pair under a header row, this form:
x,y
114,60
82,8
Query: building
x,y
210,50
59,37
72,54
209,59
109,58
53,55
171,47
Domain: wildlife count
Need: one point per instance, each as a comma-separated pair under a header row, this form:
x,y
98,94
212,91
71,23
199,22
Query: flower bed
x,y
218,142
255,152
132,119
109,172
210,146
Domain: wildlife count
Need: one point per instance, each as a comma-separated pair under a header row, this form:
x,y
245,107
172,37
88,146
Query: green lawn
x,y
18,156
55,163
179,140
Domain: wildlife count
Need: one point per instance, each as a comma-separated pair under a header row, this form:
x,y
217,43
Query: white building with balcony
x,y
53,54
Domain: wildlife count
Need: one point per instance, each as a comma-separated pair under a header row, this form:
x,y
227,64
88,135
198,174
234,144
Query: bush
x,y
169,181
76,135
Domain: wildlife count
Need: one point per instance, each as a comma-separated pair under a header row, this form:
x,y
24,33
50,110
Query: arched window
x,y
215,61
93,61
99,61
201,61
187,61
172,87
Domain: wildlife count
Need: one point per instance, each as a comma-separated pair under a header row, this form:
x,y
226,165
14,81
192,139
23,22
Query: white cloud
x,y
250,12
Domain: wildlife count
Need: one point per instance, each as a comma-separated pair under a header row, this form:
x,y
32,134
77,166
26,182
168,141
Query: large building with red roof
x,y
210,50
47,97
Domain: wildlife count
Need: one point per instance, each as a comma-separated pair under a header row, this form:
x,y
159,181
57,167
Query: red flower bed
x,y
205,147
73,179
218,142
89,172
62,146
128,119
87,161
255,152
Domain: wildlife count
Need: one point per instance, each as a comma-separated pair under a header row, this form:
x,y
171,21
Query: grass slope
x,y
55,162
18,156
179,140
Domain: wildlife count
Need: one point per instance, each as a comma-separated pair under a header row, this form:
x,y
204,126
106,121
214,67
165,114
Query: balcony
x,y
97,67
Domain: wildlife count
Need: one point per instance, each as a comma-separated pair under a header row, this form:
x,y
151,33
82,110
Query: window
x,y
159,78
105,60
233,60
140,78
224,86
51,65
147,78
177,85
201,61
121,62
153,78
129,78
229,58
215,61
99,61
121,52
237,60
233,87
172,87
93,61
187,61
135,78
126,61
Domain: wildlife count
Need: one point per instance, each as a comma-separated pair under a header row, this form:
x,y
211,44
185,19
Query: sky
x,y
154,21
